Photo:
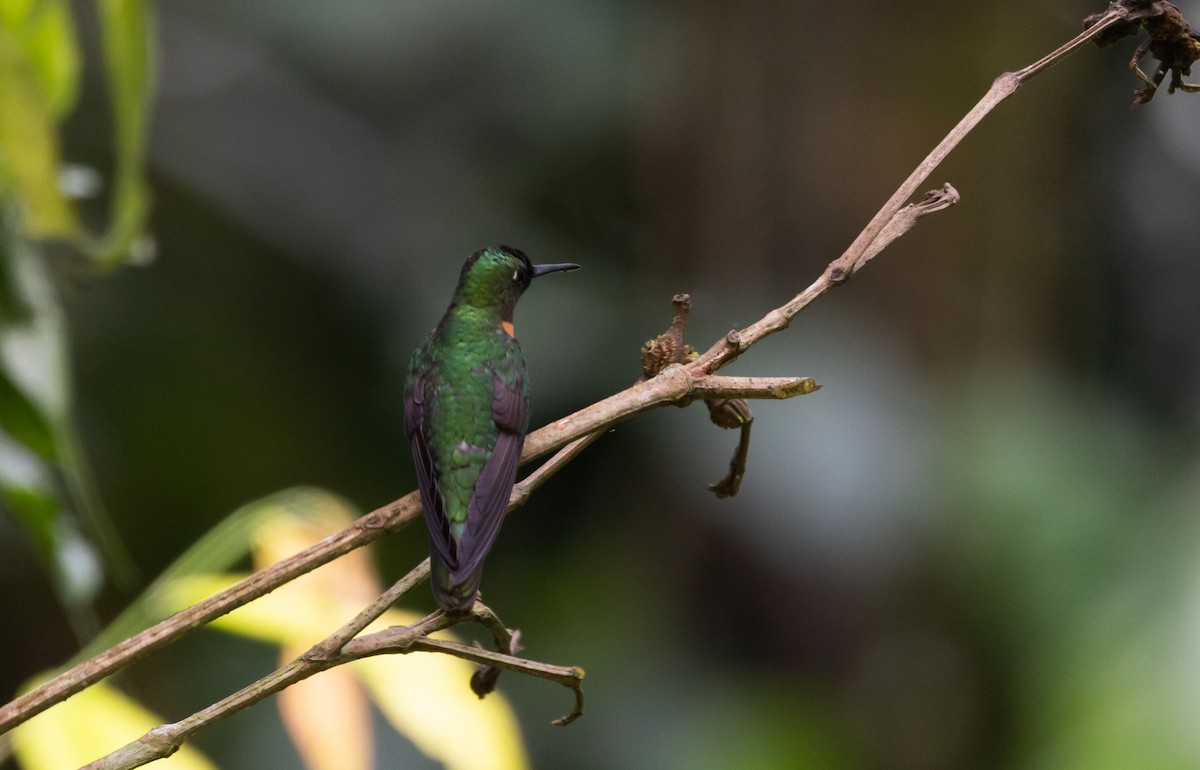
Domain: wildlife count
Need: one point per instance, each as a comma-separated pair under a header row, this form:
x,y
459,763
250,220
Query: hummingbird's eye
x,y
515,274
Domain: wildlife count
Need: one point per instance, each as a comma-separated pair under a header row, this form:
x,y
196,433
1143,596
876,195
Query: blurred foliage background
x,y
976,546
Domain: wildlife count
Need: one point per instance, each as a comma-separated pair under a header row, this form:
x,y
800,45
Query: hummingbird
x,y
466,412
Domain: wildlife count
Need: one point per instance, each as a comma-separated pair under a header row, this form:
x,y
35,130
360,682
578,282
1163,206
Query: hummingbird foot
x,y
483,681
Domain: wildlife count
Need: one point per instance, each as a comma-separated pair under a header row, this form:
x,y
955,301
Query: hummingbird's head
x,y
496,276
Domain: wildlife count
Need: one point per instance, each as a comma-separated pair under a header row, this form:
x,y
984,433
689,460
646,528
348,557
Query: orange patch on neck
x,y
507,326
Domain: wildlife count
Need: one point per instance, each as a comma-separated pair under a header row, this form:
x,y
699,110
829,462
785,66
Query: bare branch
x,y
342,647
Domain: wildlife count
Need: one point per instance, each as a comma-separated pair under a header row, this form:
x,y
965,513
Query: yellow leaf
x,y
86,727
425,696
328,718
277,618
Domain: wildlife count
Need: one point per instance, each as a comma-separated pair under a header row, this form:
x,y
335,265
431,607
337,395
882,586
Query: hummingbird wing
x,y
427,480
490,501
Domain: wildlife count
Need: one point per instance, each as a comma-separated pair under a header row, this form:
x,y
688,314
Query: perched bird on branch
x,y
466,411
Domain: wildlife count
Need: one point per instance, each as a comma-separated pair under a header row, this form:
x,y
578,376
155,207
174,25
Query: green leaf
x,y
33,368
128,39
39,80
31,395
45,33
27,494
42,474
29,151
13,307
22,421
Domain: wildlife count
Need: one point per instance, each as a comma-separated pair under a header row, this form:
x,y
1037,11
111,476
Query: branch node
x,y
669,347
321,652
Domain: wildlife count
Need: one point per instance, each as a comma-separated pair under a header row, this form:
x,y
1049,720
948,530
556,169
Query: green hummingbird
x,y
466,411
